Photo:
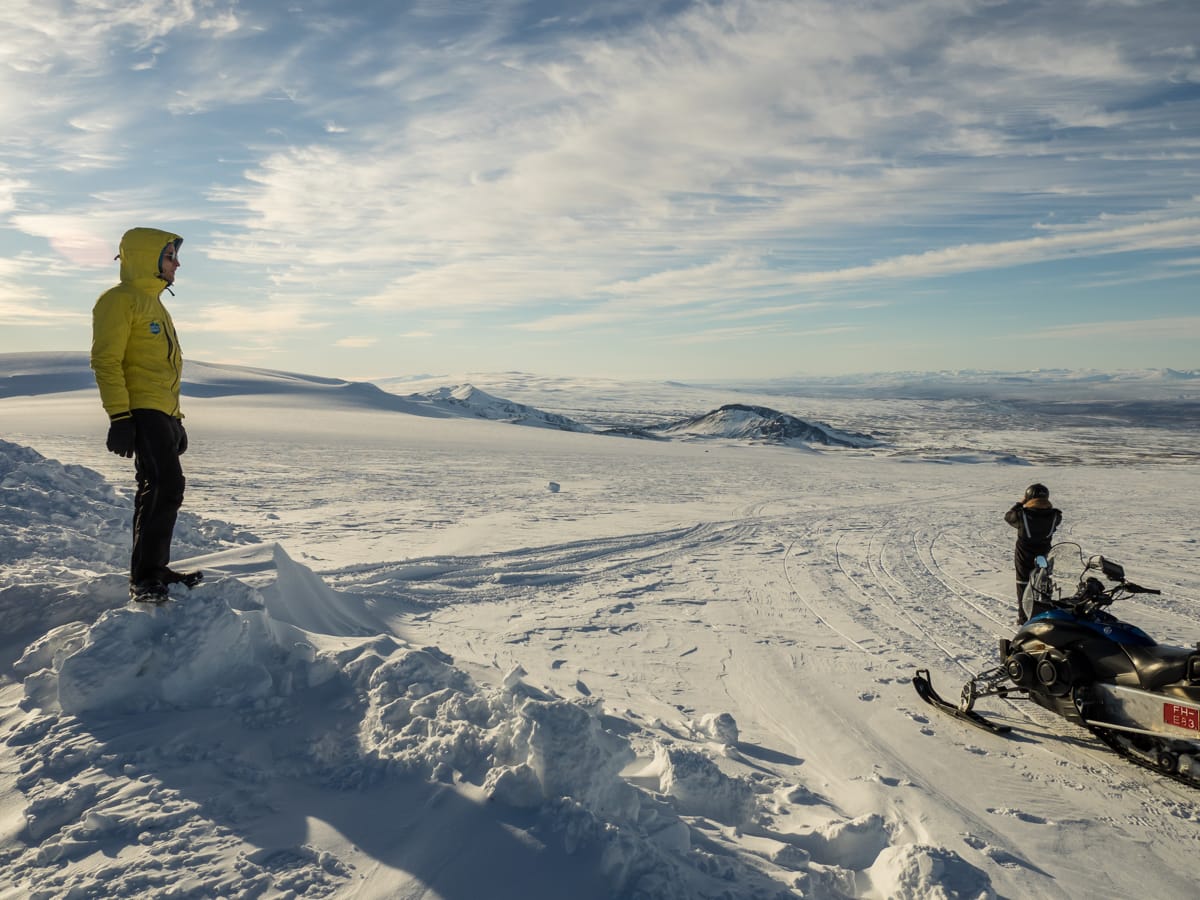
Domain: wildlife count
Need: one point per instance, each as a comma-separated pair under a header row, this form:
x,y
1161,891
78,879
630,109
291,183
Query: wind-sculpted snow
x,y
418,718
179,750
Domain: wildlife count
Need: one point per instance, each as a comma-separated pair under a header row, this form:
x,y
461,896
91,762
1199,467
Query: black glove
x,y
121,433
182,448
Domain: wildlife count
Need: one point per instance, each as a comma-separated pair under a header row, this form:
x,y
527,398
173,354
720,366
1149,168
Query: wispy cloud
x,y
261,323
1172,234
715,130
722,335
719,166
23,304
1174,328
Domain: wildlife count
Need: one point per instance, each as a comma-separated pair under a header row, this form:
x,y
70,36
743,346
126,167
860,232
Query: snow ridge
x,y
470,399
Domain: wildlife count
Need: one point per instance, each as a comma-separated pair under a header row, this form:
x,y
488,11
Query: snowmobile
x,y
1073,657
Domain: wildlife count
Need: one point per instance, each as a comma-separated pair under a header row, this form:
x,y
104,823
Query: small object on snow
x,y
553,486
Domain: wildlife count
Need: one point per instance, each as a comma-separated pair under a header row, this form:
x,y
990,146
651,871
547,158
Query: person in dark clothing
x,y
138,366
1036,520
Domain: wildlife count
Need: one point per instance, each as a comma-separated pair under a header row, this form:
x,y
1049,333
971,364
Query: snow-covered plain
x,y
416,670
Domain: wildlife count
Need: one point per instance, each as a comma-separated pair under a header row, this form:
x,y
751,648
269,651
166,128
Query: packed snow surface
x,y
683,671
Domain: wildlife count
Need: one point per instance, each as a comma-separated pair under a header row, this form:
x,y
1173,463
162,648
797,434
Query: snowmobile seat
x,y
1159,665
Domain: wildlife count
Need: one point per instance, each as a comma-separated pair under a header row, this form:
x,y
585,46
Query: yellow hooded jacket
x,y
135,352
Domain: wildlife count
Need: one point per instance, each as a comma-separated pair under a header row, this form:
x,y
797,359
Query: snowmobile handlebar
x,y
1138,589
1092,595
1113,571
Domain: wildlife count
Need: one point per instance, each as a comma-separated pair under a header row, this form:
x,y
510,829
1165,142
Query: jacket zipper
x,y
169,330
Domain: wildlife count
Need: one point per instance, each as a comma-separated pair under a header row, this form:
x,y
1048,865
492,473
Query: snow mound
x,y
418,717
700,788
919,872
764,425
64,537
202,653
720,727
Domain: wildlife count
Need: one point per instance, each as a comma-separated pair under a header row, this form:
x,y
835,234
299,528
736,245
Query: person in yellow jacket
x,y
139,367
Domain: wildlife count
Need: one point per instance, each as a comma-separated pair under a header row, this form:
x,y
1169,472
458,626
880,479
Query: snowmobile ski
x,y
927,693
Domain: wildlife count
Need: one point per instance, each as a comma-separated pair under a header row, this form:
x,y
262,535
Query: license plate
x,y
1181,716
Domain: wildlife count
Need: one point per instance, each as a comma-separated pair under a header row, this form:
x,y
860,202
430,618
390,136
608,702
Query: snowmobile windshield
x,y
1066,564
1056,575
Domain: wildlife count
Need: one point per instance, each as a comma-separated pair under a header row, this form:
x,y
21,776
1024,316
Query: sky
x,y
630,188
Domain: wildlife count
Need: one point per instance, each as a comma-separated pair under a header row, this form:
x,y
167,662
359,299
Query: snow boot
x,y
188,579
149,592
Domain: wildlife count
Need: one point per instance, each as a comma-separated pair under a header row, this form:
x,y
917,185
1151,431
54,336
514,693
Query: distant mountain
x,y
1171,385
765,425
33,374
466,399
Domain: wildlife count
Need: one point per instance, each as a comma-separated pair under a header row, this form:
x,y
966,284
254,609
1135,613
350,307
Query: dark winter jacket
x,y
1035,521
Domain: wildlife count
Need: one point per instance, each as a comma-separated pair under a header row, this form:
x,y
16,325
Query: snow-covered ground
x,y
416,670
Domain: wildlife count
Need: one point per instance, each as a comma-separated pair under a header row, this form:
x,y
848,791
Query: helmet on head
x,y
1037,492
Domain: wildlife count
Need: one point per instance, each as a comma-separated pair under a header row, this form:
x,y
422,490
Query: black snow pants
x,y
160,485
1023,559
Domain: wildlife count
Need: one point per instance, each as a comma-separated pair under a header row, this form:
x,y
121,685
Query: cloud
x,y
722,335
725,165
709,284
1177,328
483,284
254,324
1041,55
24,308
1171,234
9,187
355,343
91,238
716,127
23,304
